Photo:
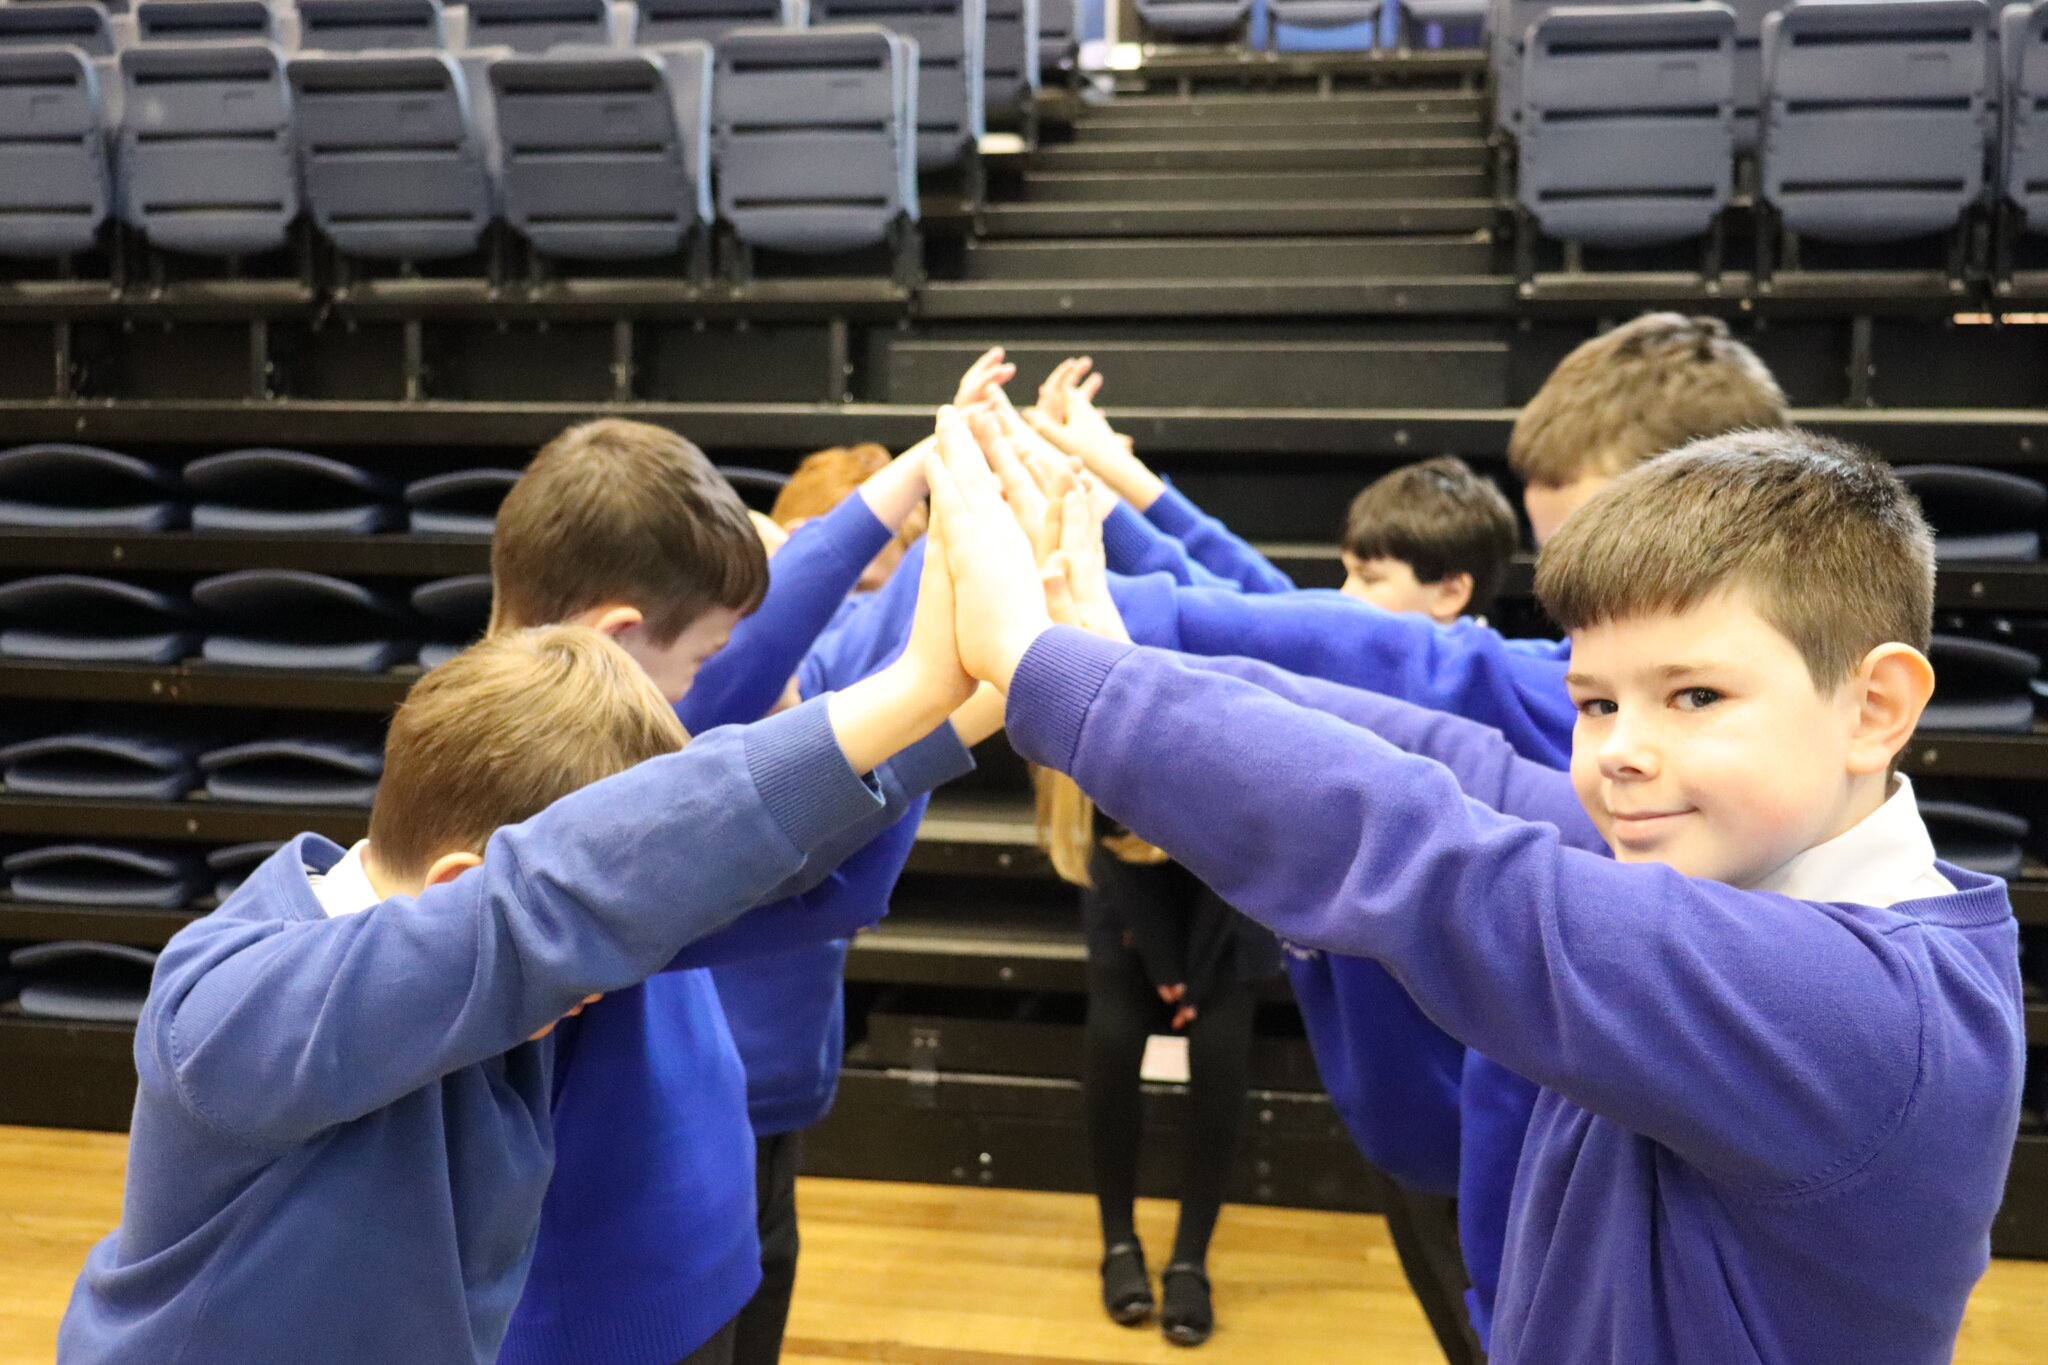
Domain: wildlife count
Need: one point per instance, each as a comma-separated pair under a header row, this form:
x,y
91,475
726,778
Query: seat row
x,y
1310,25
1875,120
799,140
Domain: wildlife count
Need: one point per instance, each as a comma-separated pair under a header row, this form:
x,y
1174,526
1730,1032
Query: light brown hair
x,y
1639,390
503,729
1439,518
825,478
1830,544
623,512
1066,829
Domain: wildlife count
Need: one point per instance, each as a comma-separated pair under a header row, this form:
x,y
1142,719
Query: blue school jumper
x,y
648,1242
341,1134
1768,1129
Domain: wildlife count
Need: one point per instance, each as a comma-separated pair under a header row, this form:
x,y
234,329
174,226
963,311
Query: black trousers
x,y
1425,1233
757,1335
717,1351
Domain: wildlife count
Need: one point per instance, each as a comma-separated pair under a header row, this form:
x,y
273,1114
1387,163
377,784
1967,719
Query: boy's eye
x,y
1696,698
1597,706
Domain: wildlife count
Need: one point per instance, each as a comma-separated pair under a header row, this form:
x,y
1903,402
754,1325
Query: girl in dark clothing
x,y
1165,955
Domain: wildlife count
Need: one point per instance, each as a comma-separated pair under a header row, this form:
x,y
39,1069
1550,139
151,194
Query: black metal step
x,y
1222,108
1284,219
1253,373
1253,187
1286,126
1262,258
1197,153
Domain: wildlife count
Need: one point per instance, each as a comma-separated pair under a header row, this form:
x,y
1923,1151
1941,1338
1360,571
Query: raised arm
x,y
1464,669
1215,546
1772,1042
275,1029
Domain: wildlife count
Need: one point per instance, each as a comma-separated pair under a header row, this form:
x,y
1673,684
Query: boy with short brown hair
x,y
1780,1045
342,1135
1432,537
1634,391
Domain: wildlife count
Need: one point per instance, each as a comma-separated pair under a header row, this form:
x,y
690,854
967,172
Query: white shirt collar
x,y
1885,858
345,888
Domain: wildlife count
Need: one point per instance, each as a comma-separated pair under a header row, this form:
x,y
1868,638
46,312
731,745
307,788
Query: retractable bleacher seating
x,y
58,23
675,21
1321,25
205,149
55,188
2023,51
1010,59
1456,18
1877,117
393,163
208,21
949,35
1627,134
814,139
607,153
1058,35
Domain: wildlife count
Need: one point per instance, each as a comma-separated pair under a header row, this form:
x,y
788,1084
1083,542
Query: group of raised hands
x,y
1017,505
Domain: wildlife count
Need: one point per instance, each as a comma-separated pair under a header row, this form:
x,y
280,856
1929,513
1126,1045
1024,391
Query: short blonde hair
x,y
827,477
1824,536
623,512
1639,390
508,726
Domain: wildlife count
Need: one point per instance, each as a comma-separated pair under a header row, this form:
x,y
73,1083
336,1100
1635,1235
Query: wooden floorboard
x,y
940,1275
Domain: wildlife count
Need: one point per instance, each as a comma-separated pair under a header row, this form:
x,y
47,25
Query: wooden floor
x,y
938,1275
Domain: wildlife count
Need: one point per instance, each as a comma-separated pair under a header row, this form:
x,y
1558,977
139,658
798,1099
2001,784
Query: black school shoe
x,y
1188,1318
1126,1288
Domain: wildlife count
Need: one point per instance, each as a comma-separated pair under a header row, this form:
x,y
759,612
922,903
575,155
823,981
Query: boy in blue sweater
x,y
648,1246
1778,1044
341,1134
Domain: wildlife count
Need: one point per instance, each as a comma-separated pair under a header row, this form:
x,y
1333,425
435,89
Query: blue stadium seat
x,y
2023,43
1058,34
394,168
206,21
54,186
677,21
813,136
1194,18
1627,123
1876,115
1454,17
1009,49
949,36
1508,24
206,161
371,25
606,153
1749,67
62,24
537,25
1322,25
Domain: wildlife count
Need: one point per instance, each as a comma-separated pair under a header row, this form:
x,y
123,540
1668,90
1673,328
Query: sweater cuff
x,y
1127,538
803,777
1172,513
932,762
1055,684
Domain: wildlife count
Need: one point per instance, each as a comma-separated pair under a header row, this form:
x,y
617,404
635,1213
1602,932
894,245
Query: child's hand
x,y
1069,376
894,491
1085,571
931,650
984,378
1071,421
998,598
1030,491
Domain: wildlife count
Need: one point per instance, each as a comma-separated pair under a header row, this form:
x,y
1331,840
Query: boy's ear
x,y
612,618
449,866
1449,596
1893,685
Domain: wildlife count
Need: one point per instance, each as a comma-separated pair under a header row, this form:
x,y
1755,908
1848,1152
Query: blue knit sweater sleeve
x,y
870,633
271,1030
1135,547
807,580
1214,545
1464,668
1773,1043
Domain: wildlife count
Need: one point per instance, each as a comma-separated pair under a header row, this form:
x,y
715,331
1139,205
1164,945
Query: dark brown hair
x,y
617,511
1823,535
1639,390
513,723
1439,518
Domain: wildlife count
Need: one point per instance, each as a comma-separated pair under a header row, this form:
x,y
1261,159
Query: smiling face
x,y
1703,743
